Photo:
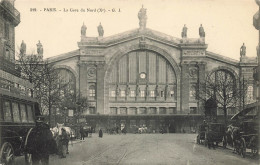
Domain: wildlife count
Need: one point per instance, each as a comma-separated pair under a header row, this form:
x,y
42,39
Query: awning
x,y
245,111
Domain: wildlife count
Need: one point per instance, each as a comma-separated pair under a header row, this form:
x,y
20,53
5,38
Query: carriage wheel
x,y
28,159
7,154
242,148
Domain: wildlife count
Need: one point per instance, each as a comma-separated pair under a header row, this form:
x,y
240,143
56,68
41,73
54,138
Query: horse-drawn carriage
x,y
245,137
249,135
211,134
244,133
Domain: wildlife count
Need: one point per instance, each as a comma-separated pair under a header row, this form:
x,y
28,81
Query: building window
x,y
7,111
7,55
30,113
152,94
91,110
162,110
92,91
7,30
132,94
162,93
250,90
171,93
132,111
152,110
113,93
172,110
122,93
123,111
16,113
113,110
142,110
193,92
23,113
142,93
193,110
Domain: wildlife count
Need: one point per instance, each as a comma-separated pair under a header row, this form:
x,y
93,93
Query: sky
x,y
227,23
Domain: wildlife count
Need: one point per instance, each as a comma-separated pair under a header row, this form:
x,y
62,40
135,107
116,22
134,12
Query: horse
x,y
56,132
234,133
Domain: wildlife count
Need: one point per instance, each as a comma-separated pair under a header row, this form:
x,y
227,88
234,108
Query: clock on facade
x,y
142,75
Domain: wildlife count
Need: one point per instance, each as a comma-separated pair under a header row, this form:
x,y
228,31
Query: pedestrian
x,y
100,134
81,131
40,142
64,142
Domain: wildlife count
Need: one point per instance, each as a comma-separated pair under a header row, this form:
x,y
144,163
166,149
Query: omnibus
x,y
18,109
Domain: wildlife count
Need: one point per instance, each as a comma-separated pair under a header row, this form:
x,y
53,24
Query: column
x,y
137,111
118,110
100,88
201,78
184,87
157,110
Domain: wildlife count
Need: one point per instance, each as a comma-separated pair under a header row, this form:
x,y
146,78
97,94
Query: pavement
x,y
176,149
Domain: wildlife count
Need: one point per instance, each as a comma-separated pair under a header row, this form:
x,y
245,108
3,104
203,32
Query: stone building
x,y
256,23
143,77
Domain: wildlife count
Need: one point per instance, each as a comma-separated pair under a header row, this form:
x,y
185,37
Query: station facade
x,y
143,77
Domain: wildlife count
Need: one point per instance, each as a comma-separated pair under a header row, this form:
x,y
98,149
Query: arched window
x,y
66,80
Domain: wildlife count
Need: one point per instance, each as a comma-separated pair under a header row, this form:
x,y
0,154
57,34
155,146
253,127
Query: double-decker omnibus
x,y
18,109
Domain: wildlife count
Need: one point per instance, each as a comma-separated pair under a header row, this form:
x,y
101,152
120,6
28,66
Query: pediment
x,y
128,36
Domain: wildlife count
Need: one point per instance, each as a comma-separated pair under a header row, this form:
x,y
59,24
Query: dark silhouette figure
x,y
40,142
100,133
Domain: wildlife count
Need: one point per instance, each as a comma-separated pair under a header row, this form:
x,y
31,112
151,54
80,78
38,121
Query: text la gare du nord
x,y
93,10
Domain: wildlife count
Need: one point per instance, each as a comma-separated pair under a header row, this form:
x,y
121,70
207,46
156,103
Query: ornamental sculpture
x,y
243,50
201,31
83,30
100,30
142,17
184,31
39,48
23,48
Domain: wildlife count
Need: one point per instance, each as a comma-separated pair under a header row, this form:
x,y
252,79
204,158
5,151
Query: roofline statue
x,y
243,50
184,31
201,31
23,48
39,48
83,30
142,18
100,30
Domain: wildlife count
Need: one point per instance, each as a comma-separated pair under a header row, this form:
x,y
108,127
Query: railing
x,y
10,7
9,67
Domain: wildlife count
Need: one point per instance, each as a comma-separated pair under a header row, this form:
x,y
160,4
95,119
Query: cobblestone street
x,y
179,149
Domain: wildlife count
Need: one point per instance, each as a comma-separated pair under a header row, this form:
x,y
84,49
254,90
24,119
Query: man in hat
x,y
40,142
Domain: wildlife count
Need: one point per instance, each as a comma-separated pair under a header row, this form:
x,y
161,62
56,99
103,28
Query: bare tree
x,y
222,89
47,83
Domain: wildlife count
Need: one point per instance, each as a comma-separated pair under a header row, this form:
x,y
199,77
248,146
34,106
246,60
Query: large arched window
x,y
142,74
66,80
221,87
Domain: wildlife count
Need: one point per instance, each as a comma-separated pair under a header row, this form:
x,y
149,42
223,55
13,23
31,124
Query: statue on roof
x,y
184,31
243,50
23,48
201,31
100,30
39,48
142,17
83,30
